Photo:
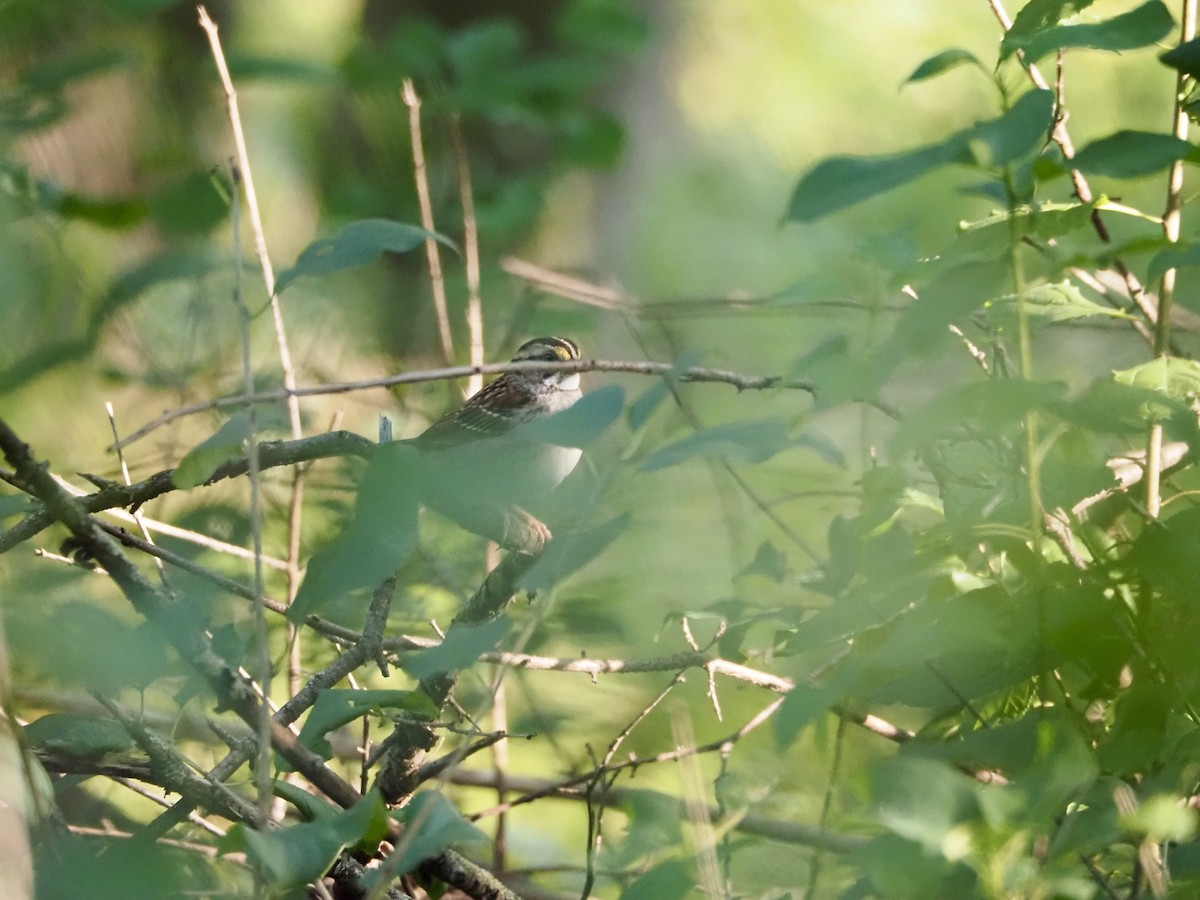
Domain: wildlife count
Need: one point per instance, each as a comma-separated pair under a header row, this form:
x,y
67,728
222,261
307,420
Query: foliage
x,y
968,565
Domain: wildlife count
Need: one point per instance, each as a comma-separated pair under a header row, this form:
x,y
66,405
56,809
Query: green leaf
x,y
842,181
1038,15
464,644
922,800
753,441
1177,257
802,705
337,707
1141,27
293,857
431,824
379,538
1046,304
356,245
571,551
199,464
582,422
1162,817
768,562
78,735
1129,154
673,879
1170,375
1185,58
943,62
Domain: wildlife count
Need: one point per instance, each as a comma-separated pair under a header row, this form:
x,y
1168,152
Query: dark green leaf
x,y
670,880
1129,154
336,707
1038,15
768,561
431,824
943,62
356,245
78,735
1184,58
464,644
845,180
753,441
378,540
1176,257
1141,27
292,857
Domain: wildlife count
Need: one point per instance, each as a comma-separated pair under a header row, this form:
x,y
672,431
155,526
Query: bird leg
x,y
523,532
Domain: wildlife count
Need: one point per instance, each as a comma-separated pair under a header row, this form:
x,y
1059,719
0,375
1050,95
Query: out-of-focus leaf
x,y
768,562
195,204
582,422
1166,555
1177,257
943,62
379,538
199,464
571,551
802,705
292,857
1171,375
673,879
431,824
1038,15
1129,154
1141,27
464,644
604,25
753,441
78,735
1046,304
1163,818
356,245
336,707
922,800
842,181
279,68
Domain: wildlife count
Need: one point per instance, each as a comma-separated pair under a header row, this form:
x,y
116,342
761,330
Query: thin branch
x,y
690,374
470,253
432,253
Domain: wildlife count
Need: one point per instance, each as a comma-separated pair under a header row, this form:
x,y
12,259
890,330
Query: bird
x,y
480,465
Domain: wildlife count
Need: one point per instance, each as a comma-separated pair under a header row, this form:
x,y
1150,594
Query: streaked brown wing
x,y
494,411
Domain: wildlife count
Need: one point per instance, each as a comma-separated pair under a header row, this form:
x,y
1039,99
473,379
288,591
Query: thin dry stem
x,y
471,254
432,254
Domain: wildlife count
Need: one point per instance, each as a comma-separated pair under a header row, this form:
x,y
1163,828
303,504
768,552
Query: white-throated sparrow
x,y
481,466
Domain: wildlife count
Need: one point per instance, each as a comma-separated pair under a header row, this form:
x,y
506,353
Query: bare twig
x,y
690,374
470,253
432,253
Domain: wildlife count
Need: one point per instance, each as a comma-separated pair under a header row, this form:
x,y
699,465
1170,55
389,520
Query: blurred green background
x,y
647,147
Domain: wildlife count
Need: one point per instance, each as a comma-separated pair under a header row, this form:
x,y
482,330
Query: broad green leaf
x,y
431,824
464,644
1184,58
1141,27
943,62
295,856
673,879
356,245
1171,375
1038,15
1166,555
902,869
337,707
1129,154
1046,304
1176,257
78,735
842,181
310,806
570,551
753,441
583,421
379,538
1116,407
802,705
922,800
199,464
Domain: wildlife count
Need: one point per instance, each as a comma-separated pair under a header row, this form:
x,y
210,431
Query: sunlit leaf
x,y
943,62
356,245
1045,304
842,181
1141,27
1171,375
1162,817
753,441
199,464
1176,257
